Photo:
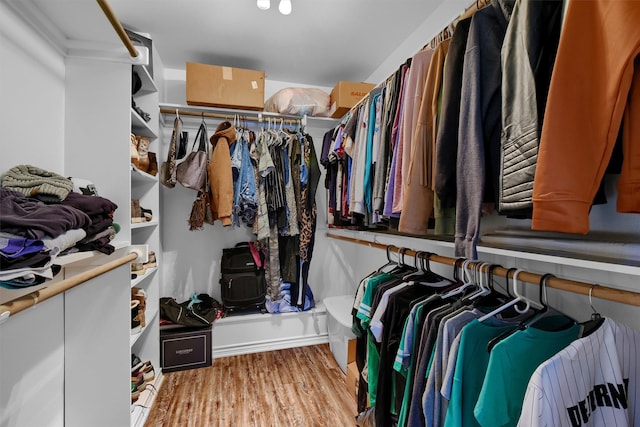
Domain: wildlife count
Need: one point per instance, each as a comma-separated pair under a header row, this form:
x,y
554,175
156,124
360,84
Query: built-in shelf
x,y
140,127
87,255
193,112
150,316
148,85
142,277
140,408
146,224
138,176
575,255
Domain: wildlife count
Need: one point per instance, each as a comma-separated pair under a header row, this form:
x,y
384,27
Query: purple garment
x,y
31,218
14,247
91,205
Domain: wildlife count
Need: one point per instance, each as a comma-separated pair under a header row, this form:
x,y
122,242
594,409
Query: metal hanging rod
x,y
254,117
117,26
597,291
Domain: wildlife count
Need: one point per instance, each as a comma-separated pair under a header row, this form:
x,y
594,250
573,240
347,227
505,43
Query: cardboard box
x,y
352,379
185,348
351,351
347,94
217,86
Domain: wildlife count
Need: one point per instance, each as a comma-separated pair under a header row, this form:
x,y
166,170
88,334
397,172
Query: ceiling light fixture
x,y
264,4
285,7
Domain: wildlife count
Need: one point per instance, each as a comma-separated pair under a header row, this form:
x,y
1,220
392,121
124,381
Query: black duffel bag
x,y
200,310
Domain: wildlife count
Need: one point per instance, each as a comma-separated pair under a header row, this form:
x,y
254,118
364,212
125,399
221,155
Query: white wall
x,y
32,78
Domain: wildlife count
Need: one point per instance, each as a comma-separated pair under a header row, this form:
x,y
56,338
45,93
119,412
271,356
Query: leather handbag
x,y
192,171
168,168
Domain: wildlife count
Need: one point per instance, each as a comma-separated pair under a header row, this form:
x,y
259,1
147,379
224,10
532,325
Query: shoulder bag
x,y
191,172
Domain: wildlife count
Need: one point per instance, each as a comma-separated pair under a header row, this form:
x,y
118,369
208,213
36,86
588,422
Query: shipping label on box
x,y
347,94
228,87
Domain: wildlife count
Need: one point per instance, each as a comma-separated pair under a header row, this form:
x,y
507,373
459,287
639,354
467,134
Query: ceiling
x,y
319,43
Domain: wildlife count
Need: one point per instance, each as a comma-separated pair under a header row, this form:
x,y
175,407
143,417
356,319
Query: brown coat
x,y
220,175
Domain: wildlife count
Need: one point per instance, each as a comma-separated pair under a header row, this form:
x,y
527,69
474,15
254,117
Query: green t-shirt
x,y
511,364
471,364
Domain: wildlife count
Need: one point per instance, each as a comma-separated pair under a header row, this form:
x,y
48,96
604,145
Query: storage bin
x,y
185,348
339,322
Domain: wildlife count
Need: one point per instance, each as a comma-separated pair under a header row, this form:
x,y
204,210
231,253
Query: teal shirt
x,y
471,364
511,364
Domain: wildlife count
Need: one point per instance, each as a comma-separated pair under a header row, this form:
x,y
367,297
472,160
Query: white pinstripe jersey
x,y
592,382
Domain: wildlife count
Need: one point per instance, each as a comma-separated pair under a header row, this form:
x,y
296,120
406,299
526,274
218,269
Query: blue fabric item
x,y
194,300
14,247
304,171
245,197
236,159
368,166
283,305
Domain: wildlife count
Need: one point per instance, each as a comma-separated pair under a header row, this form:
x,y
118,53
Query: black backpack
x,y
242,281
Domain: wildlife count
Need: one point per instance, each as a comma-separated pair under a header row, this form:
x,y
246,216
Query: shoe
x,y
153,164
138,268
143,152
135,322
151,261
147,214
136,211
145,370
139,295
133,142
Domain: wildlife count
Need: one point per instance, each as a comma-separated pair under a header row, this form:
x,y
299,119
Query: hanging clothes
x,y
418,204
220,174
478,165
602,40
594,381
528,55
412,99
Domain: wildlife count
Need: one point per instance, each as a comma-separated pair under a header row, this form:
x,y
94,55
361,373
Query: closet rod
x,y
597,291
117,26
243,116
19,304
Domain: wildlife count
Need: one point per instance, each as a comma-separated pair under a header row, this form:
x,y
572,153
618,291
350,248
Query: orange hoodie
x,y
593,87
220,175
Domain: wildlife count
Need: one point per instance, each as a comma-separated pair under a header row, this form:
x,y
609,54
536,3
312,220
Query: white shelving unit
x,y
145,188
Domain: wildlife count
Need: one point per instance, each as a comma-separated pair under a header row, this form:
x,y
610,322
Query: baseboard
x,y
257,347
253,333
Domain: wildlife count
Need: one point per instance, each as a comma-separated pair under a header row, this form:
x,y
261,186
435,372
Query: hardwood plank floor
x,y
301,386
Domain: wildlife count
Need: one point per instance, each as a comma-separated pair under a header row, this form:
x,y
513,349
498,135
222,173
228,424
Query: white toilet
x,y
339,322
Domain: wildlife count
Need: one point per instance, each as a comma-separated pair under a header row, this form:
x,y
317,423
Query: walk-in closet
x,y
292,213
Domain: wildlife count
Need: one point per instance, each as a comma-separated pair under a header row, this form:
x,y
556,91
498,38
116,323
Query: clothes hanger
x,y
401,267
590,326
546,309
424,275
480,280
512,303
467,282
536,315
389,262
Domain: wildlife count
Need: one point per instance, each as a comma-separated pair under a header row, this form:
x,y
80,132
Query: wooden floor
x,y
295,387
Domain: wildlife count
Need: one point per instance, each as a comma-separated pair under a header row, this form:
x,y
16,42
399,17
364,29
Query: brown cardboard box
x,y
217,86
347,94
352,379
351,351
